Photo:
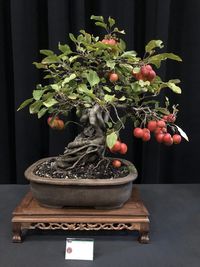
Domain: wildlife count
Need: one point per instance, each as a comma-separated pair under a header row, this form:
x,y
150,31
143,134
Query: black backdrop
x,y
29,25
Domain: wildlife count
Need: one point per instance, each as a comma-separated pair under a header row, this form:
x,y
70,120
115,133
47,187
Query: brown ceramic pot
x,y
97,193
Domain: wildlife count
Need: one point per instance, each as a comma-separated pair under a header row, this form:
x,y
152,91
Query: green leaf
x,y
109,124
92,78
166,101
38,86
110,64
153,44
101,24
35,107
50,102
136,69
109,98
111,21
83,32
149,102
48,95
39,65
171,56
98,18
111,139
88,38
175,81
63,57
55,86
118,125
25,103
182,133
106,88
87,105
72,96
122,45
82,88
143,83
129,54
123,98
50,59
136,87
65,49
71,59
163,110
42,112
80,38
68,79
156,60
126,67
48,76
47,52
176,89
72,37
37,94
101,46
119,31
118,87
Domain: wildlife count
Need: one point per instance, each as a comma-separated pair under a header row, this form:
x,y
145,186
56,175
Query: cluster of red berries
x,y
160,131
169,118
109,41
146,73
118,148
56,124
143,133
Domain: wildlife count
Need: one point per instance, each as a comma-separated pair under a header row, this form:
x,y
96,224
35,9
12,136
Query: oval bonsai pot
x,y
96,193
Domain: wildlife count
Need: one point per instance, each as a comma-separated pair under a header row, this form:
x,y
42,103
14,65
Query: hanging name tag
x,y
79,249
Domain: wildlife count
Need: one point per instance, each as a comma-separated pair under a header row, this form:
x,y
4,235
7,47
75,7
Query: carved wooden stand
x,y
30,215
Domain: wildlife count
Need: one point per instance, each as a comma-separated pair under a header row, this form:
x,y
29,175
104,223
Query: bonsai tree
x,y
105,84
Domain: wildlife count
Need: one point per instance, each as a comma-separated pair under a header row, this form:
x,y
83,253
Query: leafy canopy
x,y
79,79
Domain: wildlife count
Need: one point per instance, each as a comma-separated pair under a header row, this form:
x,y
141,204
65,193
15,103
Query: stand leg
x,y
144,234
17,233
144,237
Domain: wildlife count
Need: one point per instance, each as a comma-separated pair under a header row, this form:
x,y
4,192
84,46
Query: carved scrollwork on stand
x,y
85,226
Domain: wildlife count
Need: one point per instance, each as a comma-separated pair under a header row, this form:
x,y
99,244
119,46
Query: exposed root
x,y
81,158
102,160
89,145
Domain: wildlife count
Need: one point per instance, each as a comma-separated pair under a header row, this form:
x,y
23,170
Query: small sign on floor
x,y
79,249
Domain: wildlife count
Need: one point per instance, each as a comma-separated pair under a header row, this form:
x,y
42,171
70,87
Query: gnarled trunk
x,y
89,145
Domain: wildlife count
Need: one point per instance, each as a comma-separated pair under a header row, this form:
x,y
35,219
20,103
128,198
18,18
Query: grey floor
x,y
175,234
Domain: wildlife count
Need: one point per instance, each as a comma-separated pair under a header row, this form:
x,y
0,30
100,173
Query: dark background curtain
x,y
29,25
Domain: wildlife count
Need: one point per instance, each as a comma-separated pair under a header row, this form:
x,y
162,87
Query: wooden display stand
x,y
30,215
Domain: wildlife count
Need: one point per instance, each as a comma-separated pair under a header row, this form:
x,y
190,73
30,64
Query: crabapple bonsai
x,y
105,84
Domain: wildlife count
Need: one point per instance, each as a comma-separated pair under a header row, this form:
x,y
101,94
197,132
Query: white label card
x,y
79,249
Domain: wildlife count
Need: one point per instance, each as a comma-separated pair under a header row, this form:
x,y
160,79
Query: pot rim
x,y
82,182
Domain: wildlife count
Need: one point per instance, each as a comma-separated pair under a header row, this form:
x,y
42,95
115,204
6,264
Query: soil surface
x,y
99,170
